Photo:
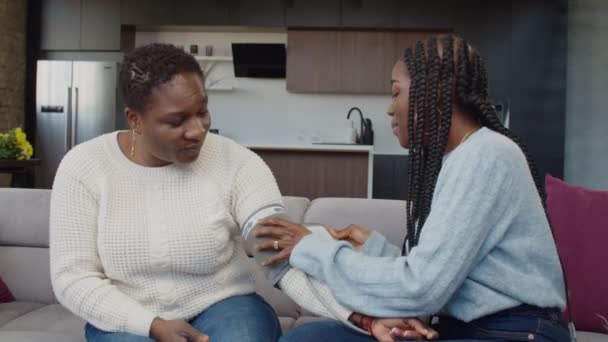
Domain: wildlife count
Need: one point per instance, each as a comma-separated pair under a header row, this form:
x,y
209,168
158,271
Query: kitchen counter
x,y
320,170
316,147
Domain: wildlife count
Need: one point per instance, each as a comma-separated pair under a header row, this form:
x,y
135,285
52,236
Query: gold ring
x,y
276,245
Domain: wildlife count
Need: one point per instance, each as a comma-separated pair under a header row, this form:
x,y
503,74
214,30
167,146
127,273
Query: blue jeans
x,y
524,323
240,318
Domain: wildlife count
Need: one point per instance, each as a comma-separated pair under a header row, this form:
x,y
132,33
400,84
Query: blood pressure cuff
x,y
248,229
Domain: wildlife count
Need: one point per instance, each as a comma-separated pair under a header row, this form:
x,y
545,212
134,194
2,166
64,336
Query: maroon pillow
x,y
5,294
579,217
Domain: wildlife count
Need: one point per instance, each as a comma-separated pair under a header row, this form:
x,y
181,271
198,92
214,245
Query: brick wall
x,y
12,66
12,62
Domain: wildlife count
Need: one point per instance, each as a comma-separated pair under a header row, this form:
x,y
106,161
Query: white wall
x,y
586,155
261,111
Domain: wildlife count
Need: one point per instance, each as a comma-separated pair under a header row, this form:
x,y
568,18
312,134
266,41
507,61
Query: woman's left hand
x,y
286,236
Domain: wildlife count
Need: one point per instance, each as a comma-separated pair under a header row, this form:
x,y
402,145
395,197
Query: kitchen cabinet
x,y
100,28
427,14
366,61
60,24
345,61
313,61
321,171
257,13
147,12
390,176
312,13
369,13
75,25
202,12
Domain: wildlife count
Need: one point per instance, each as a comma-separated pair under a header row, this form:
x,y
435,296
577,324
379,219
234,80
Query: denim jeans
x,y
236,319
523,323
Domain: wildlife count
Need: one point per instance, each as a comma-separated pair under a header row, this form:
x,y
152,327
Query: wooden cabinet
x,y
334,61
312,13
257,13
202,12
370,13
315,174
147,12
366,61
313,61
60,24
75,25
427,14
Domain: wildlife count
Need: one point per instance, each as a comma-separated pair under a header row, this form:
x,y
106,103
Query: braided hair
x,y
149,66
458,76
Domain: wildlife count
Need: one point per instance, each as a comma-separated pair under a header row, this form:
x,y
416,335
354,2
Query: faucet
x,y
360,135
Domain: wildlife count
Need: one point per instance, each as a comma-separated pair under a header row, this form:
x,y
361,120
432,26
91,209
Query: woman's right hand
x,y
398,329
353,234
175,330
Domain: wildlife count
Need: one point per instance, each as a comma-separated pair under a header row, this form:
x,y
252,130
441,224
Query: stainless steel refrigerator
x,y
76,101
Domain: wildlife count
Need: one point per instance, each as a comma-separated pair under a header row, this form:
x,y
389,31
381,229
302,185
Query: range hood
x,y
259,60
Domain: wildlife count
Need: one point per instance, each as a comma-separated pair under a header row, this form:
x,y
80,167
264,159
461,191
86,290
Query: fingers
x,y
384,337
406,334
276,222
420,327
270,245
277,258
417,325
203,338
273,232
341,234
195,335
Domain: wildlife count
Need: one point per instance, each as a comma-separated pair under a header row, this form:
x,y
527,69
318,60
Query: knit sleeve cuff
x,y
139,321
377,246
374,245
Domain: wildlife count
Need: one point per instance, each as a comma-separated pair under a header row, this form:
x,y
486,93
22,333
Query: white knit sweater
x,y
129,243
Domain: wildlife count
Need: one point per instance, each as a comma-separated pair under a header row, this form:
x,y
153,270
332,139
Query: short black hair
x,y
149,66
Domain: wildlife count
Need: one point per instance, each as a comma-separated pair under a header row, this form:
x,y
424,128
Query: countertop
x,y
314,147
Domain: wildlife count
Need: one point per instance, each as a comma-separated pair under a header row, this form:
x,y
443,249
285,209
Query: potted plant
x,y
14,145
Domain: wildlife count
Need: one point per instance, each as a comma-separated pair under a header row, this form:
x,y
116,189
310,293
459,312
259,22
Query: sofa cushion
x,y
37,336
5,294
387,217
296,207
583,336
49,318
26,272
24,217
13,310
579,218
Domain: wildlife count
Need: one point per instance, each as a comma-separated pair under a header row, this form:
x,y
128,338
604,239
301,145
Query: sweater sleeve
x,y
255,188
77,274
465,209
376,245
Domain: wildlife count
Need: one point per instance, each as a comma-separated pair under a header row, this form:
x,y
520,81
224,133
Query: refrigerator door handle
x,y
75,118
68,122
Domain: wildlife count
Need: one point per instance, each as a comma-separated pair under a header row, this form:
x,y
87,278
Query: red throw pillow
x,y
579,217
5,294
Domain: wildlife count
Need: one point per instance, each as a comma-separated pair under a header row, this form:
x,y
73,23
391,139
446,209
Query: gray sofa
x,y
24,261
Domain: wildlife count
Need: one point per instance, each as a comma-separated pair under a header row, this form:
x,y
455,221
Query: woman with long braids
x,y
479,252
